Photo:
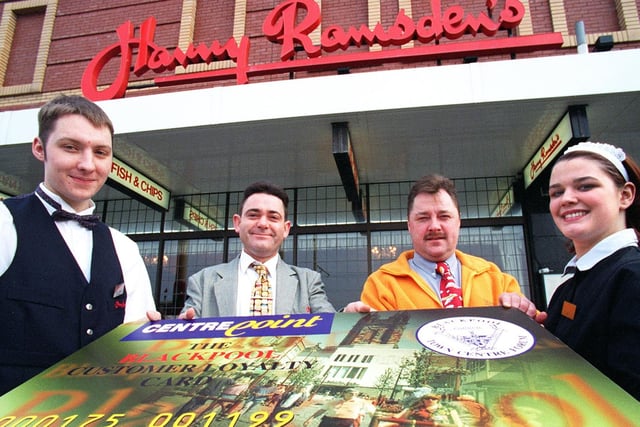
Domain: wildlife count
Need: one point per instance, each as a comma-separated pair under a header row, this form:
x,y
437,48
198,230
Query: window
x,y
325,238
341,260
25,36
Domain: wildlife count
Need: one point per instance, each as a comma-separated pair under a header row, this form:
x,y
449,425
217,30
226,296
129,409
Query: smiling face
x,y
434,225
262,226
585,204
77,159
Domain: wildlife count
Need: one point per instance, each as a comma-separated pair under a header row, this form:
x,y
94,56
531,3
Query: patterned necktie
x,y
450,294
87,221
262,298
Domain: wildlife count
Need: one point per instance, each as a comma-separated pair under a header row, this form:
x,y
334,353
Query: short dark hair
x,y
63,105
632,213
264,187
431,184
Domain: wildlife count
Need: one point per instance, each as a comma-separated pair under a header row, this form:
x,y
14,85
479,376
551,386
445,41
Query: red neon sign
x,y
281,26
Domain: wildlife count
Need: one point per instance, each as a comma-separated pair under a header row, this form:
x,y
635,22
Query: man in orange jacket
x,y
411,281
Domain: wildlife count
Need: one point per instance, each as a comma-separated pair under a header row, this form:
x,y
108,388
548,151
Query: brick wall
x,y
82,28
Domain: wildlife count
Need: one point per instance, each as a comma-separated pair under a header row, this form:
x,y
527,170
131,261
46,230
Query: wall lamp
x,y
603,43
346,162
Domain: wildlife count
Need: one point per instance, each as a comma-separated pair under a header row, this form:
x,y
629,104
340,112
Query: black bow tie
x,y
87,221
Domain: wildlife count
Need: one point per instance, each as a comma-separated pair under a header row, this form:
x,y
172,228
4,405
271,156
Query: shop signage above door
x,y
131,182
549,150
572,128
186,214
290,24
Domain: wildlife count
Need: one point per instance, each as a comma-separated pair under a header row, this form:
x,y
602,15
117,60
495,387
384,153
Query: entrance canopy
x,y
467,120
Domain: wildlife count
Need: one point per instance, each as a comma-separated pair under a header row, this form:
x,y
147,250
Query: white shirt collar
x,y
64,205
604,248
246,260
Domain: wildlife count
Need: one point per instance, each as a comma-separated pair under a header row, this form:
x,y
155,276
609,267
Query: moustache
x,y
434,236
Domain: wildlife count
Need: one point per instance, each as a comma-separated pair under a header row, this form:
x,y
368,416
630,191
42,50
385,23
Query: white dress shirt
x,y
80,242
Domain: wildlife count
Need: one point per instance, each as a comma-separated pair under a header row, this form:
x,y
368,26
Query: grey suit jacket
x,y
213,291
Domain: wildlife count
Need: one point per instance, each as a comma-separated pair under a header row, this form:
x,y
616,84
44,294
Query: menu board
x,y
458,367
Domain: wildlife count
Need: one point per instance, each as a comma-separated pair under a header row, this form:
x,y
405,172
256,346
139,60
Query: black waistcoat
x,y
48,310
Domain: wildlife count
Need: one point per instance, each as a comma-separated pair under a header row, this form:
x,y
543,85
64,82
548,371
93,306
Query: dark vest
x,y
48,309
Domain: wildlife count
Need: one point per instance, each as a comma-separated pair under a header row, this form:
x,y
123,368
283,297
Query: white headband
x,y
613,154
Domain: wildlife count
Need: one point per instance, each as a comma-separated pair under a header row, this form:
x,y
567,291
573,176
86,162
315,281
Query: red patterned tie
x,y
450,294
262,298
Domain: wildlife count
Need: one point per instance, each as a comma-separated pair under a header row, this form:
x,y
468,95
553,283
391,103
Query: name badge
x,y
568,310
118,290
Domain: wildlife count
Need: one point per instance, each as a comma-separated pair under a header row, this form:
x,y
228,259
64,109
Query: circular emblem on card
x,y
473,337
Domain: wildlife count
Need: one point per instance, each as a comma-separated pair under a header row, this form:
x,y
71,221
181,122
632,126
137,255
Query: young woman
x,y
596,310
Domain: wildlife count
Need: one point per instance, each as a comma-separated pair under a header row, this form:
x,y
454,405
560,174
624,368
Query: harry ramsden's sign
x,y
291,23
552,146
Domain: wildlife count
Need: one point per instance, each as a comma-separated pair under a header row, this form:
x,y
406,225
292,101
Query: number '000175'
x,y
165,419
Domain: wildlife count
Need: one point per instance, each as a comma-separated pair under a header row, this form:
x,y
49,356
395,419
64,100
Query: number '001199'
x,y
280,419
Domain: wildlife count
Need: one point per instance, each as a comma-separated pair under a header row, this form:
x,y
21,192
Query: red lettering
x,y
280,27
290,23
155,58
150,189
121,172
89,82
201,220
133,358
511,14
197,356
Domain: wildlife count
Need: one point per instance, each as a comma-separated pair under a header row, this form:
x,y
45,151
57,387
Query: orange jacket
x,y
395,286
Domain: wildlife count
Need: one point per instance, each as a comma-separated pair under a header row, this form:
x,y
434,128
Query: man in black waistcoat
x,y
65,277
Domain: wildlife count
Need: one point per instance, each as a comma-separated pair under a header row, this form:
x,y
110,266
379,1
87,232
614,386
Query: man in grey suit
x,y
225,289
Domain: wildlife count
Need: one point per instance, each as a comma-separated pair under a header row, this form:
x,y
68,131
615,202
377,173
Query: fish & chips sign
x,y
290,24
